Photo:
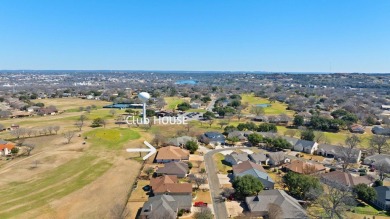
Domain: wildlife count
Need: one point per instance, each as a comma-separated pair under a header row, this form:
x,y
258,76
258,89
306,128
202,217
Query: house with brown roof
x,y
356,128
168,184
172,153
303,167
345,180
179,169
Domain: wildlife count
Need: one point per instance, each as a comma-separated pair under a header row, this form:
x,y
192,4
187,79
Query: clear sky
x,y
289,35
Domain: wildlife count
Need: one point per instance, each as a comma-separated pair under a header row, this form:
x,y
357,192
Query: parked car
x,y
200,204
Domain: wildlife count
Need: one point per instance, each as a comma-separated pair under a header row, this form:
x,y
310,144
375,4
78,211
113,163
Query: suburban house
x,y
343,179
241,135
236,157
277,158
259,158
165,206
382,199
379,130
335,151
376,158
6,147
171,153
214,138
169,185
179,169
256,170
303,167
261,204
181,141
291,140
356,128
308,147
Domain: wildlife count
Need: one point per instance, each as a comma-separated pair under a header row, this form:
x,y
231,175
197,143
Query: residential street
x,y
219,206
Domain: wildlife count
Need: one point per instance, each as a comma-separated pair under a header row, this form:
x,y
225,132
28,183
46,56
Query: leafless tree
x,y
29,148
79,125
379,144
199,179
210,121
383,168
82,118
204,213
223,123
346,153
68,136
239,114
319,137
257,110
189,126
274,211
335,200
18,132
50,129
112,112
158,139
56,128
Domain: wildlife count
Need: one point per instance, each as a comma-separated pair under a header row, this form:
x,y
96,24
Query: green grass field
x,y
111,138
172,102
20,197
275,108
218,159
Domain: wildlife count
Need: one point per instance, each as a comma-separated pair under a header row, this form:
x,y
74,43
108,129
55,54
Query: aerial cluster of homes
x,y
169,196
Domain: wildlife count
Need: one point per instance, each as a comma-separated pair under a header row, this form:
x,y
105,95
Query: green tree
x,y
298,120
300,185
267,127
14,150
150,113
280,143
307,135
97,122
208,115
364,192
255,139
192,146
257,110
247,185
184,106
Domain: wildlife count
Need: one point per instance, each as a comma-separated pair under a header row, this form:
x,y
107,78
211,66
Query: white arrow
x,y
150,149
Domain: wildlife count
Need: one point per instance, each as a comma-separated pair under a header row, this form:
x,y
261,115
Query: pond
x,y
264,105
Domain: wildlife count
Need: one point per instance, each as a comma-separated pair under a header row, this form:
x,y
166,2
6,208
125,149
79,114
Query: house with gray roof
x,y
376,158
214,138
259,158
241,135
277,158
260,205
236,157
165,206
336,151
379,130
256,170
179,169
181,141
305,146
382,199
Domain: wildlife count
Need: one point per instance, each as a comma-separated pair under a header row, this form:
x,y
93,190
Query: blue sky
x,y
289,35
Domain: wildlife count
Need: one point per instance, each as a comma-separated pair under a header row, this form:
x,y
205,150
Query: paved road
x,y
210,107
220,210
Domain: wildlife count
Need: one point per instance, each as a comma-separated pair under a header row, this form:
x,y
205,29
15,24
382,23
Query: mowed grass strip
x,y
219,160
172,102
111,138
275,108
18,198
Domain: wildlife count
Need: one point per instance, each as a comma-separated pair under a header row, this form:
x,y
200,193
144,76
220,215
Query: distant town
x,y
248,145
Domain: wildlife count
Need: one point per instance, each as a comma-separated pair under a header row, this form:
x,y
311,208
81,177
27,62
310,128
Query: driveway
x,y
215,187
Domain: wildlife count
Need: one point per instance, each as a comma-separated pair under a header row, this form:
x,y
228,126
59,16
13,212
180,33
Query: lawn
x,y
139,194
172,102
203,196
71,103
20,197
219,160
113,138
275,108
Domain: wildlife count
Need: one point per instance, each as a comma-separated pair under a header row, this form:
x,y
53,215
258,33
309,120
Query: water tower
x,y
144,97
